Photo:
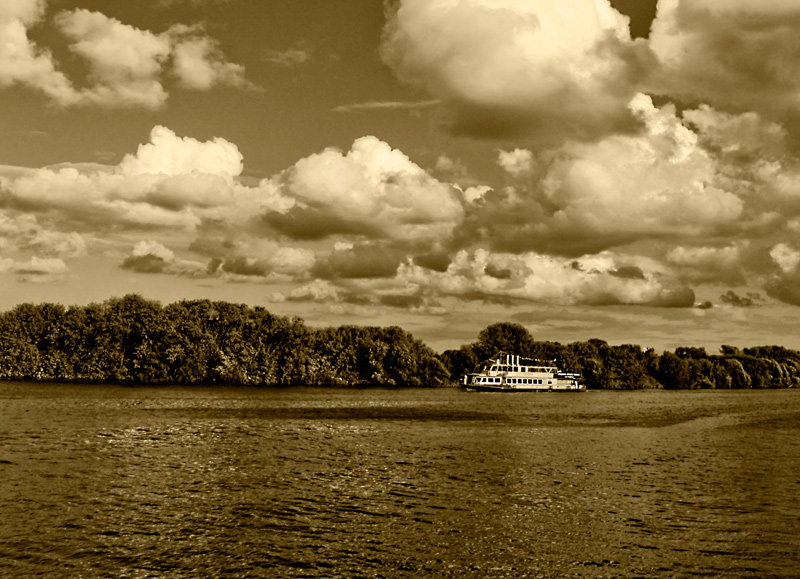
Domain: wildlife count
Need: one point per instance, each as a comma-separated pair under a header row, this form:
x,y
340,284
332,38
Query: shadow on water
x,y
335,413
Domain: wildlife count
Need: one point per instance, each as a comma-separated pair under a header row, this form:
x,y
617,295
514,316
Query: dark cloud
x,y
498,272
628,272
150,257
145,264
520,221
785,289
371,260
677,298
433,261
310,223
213,246
402,301
734,56
666,298
731,298
246,266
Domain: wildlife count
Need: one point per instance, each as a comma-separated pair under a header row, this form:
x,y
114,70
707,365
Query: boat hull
x,y
479,388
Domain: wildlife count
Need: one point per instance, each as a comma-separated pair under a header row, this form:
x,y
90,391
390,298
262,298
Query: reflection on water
x,y
235,482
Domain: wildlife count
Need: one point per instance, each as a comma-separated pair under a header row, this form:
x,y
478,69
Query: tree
x,y
505,337
673,371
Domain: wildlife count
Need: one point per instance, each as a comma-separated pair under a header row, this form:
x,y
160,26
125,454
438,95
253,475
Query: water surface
x,y
112,481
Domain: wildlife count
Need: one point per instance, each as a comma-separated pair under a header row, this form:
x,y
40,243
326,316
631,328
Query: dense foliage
x,y
132,339
628,367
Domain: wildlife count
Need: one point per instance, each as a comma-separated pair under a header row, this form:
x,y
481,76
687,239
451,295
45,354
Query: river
x,y
115,481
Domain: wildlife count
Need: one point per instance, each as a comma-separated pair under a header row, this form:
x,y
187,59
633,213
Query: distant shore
x,y
134,341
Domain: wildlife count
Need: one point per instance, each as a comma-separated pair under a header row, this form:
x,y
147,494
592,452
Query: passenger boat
x,y
507,373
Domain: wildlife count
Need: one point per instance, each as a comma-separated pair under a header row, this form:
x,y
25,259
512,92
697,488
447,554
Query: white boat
x,y
507,373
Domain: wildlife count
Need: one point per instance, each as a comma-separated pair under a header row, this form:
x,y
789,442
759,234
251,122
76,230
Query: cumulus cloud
x,y
200,64
153,257
658,182
170,182
124,61
168,154
316,291
35,269
588,197
737,55
532,67
372,190
24,233
95,200
127,66
731,298
786,257
365,260
743,139
266,261
21,60
518,163
541,278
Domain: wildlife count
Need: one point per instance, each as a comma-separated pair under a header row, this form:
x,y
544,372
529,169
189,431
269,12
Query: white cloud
x,y
517,163
152,257
199,63
21,61
35,268
125,62
655,183
587,197
168,154
24,233
519,66
264,259
786,257
371,190
171,183
317,290
594,280
127,66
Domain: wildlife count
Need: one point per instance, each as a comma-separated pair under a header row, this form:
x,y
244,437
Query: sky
x,y
627,170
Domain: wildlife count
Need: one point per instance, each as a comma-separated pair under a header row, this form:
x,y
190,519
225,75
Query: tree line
x,y
628,367
135,340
